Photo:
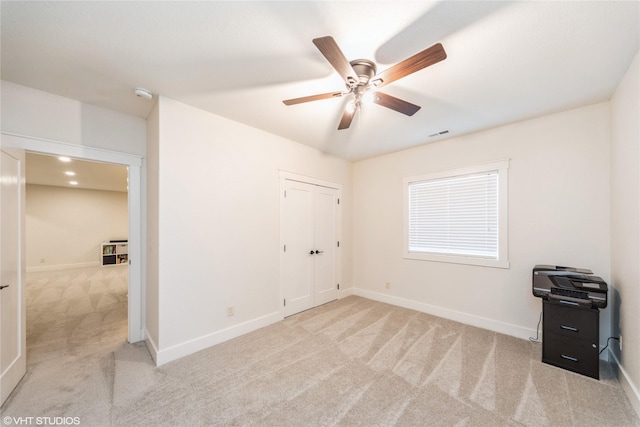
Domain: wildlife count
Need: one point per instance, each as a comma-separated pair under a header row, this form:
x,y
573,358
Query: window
x,y
458,216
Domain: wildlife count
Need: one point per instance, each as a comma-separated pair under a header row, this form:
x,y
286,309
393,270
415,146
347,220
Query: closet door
x,y
325,208
299,252
309,234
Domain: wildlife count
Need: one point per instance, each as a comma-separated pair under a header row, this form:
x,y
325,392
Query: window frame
x,y
502,167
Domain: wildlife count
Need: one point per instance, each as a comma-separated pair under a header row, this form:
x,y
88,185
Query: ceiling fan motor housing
x,y
365,70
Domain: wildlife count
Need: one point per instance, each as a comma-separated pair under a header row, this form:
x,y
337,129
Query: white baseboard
x,y
343,293
468,319
160,357
189,347
151,346
34,269
631,390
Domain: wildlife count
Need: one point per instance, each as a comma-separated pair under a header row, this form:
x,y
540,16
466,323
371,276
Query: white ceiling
x,y
43,169
507,61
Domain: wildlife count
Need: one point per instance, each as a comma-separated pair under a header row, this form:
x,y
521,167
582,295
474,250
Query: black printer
x,y
569,285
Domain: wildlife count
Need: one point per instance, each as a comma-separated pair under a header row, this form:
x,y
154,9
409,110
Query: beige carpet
x,y
348,363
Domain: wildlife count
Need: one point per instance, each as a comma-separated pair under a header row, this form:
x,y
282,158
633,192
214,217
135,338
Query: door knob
x,y
311,253
319,252
5,286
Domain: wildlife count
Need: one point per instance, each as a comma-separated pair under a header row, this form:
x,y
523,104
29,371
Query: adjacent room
x,y
336,213
76,255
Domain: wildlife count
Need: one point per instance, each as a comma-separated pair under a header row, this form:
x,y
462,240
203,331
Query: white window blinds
x,y
456,215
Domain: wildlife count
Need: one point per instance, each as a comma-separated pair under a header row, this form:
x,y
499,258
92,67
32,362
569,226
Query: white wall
x,y
65,226
38,114
625,226
218,224
558,214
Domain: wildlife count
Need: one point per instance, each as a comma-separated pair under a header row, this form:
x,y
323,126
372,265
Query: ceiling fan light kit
x,y
362,81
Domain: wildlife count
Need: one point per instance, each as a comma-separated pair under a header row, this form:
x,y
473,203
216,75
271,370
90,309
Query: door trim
x,y
308,180
136,307
291,176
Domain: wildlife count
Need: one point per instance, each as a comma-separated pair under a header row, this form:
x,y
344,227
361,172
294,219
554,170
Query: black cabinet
x,y
570,337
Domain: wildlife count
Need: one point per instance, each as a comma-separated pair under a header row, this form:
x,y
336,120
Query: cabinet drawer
x,y
576,355
570,321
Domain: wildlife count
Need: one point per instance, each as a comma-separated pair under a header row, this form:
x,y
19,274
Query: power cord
x,y
537,339
610,338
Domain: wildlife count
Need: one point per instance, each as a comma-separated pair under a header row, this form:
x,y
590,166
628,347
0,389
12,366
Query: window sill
x,y
456,259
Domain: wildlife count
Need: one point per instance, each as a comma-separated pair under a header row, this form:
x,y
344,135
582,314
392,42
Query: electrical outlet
x,y
231,310
388,285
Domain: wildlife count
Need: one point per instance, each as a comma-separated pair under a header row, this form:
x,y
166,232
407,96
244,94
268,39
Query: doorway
x,y
76,297
135,304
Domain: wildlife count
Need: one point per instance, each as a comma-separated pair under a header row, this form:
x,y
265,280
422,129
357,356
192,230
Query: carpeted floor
x,y
351,362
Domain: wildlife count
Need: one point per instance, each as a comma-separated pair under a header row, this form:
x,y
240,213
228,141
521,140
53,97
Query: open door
x,y
13,357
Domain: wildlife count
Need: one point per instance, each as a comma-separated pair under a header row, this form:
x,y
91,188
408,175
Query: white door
x,y
309,234
298,248
325,208
13,360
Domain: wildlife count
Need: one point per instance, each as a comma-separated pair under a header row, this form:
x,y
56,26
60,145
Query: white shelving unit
x,y
115,253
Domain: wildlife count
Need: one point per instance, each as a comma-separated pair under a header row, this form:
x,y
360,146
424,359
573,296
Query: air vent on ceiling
x,y
442,132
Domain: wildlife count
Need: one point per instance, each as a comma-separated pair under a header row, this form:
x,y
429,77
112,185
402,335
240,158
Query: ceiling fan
x,y
363,82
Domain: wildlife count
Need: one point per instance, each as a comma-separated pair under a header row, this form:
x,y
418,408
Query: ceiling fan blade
x,y
410,65
347,117
312,98
394,103
329,48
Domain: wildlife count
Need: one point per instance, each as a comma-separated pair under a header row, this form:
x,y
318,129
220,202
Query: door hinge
x,y
285,248
338,286
338,243
338,201
285,302
285,194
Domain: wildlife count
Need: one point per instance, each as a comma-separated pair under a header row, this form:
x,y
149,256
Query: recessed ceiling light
x,y
73,182
69,173
64,159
